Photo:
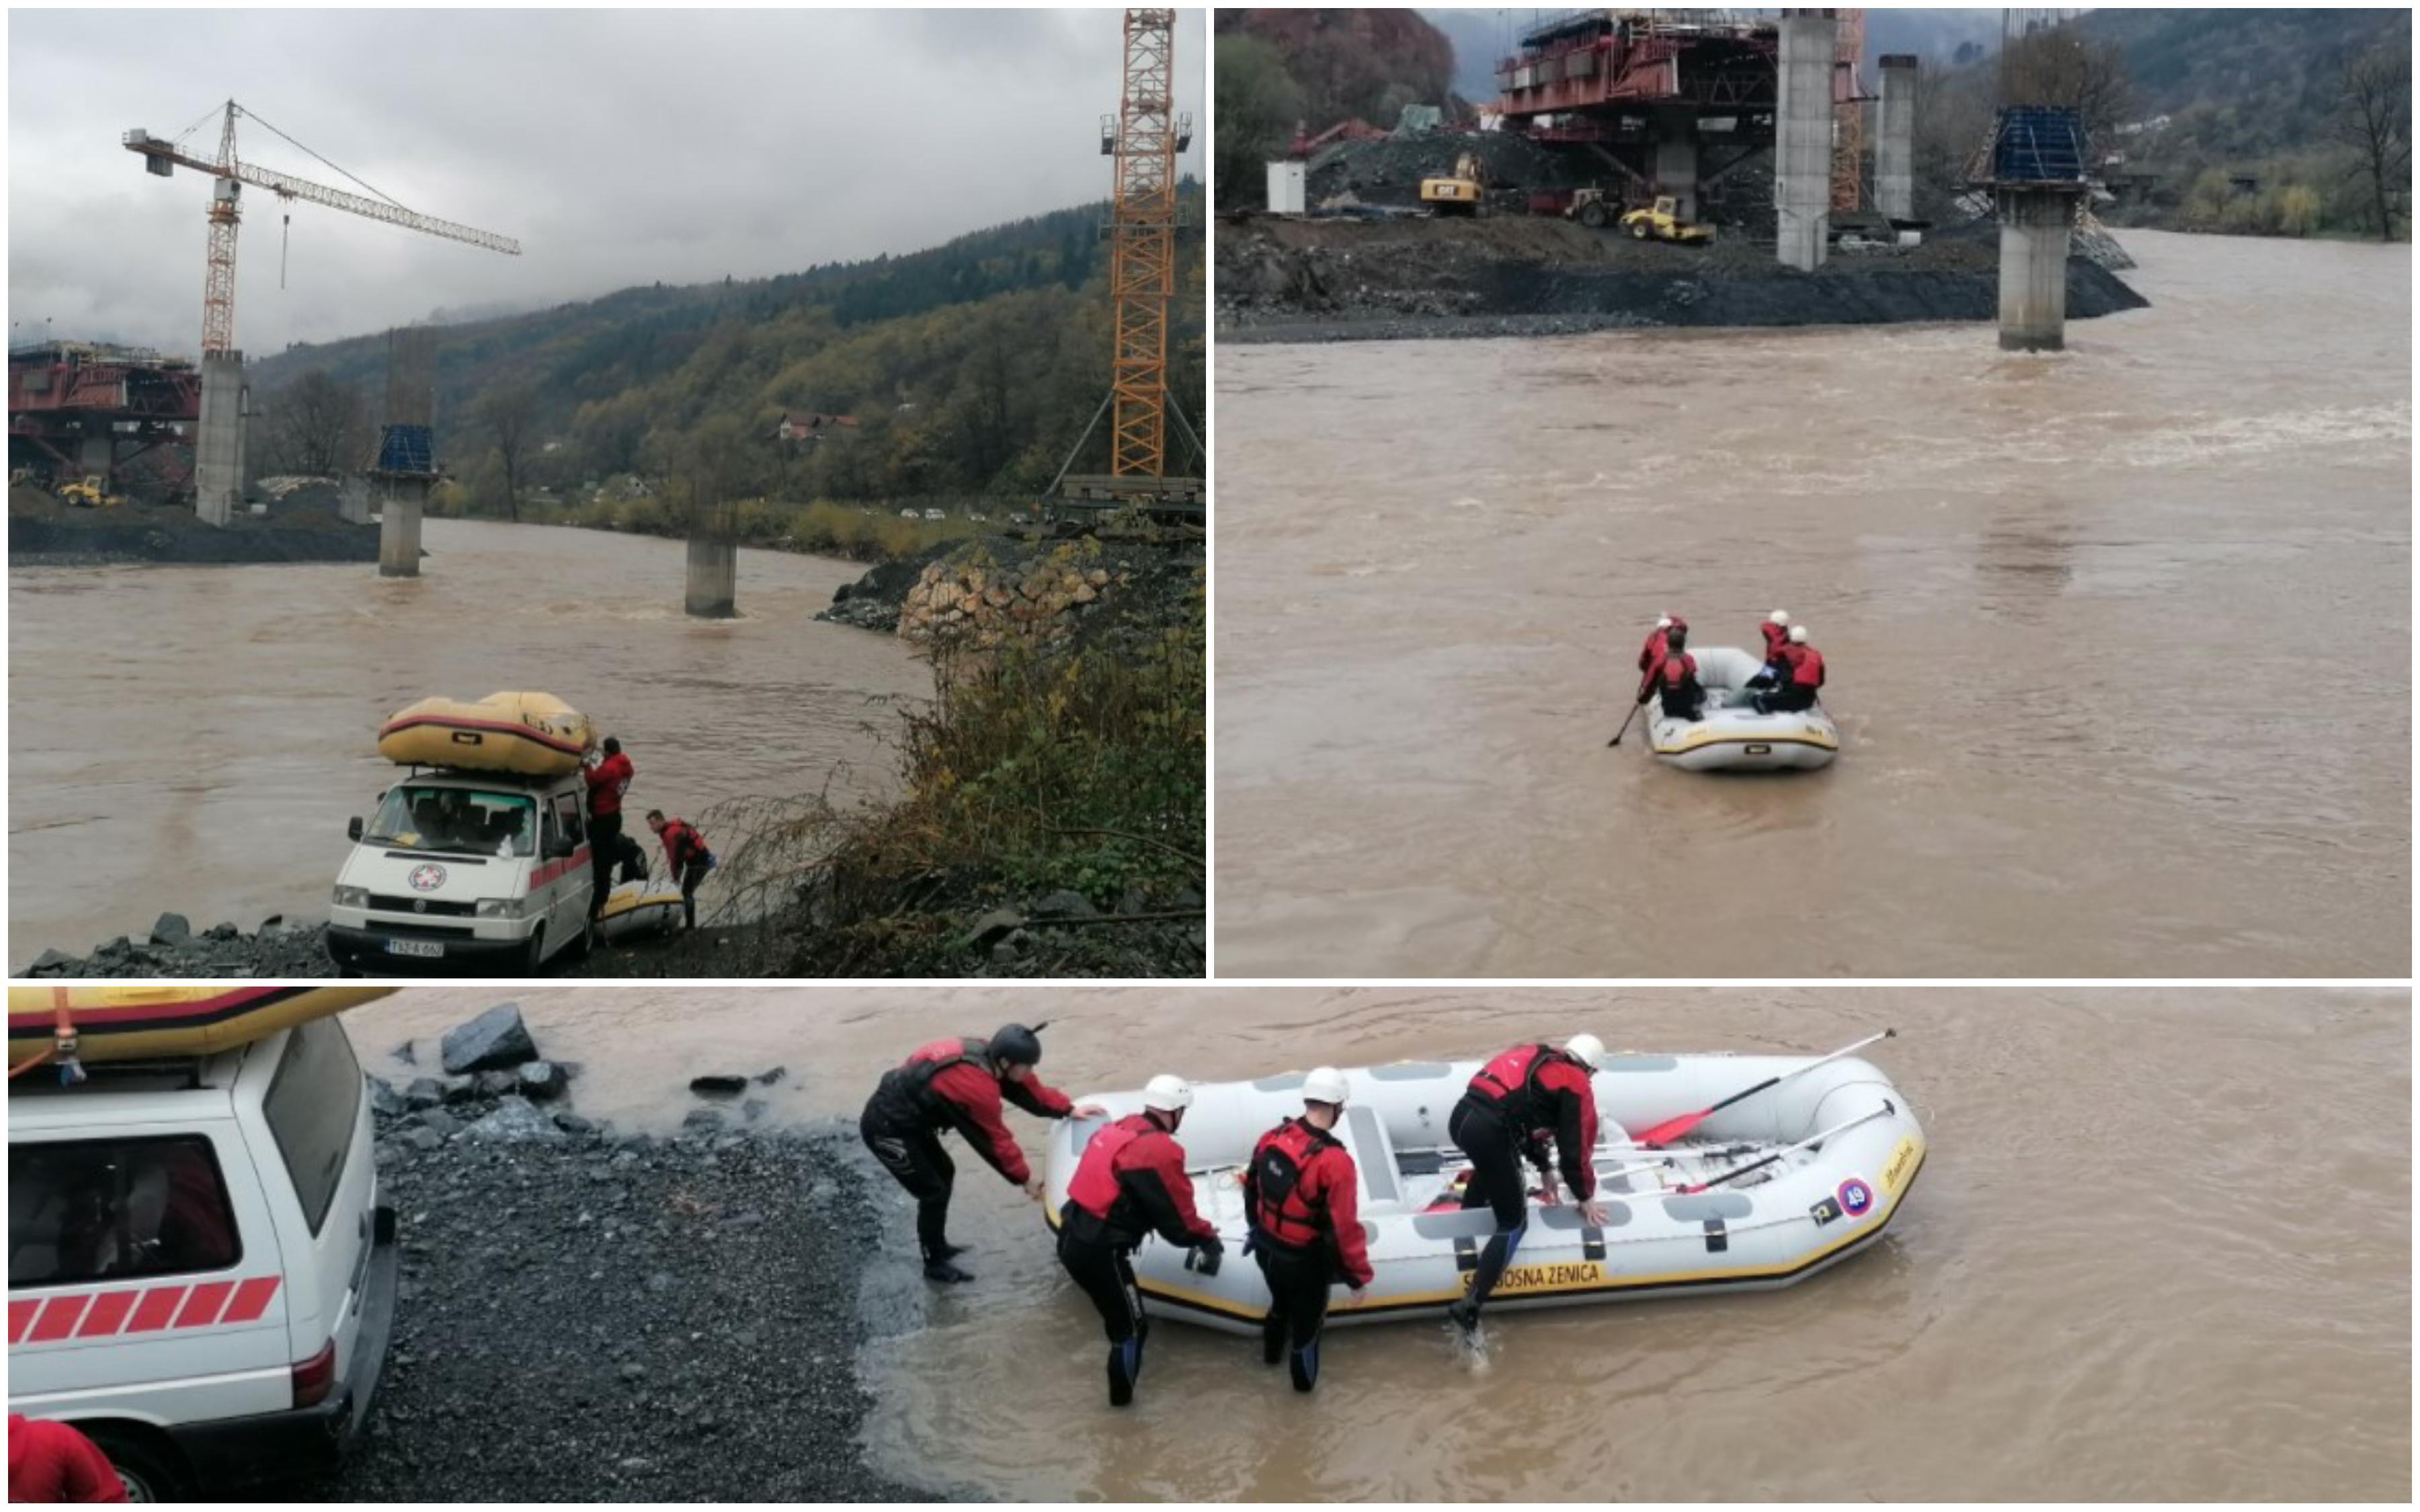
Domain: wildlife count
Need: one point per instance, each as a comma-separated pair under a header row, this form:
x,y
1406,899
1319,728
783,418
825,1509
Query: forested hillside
x,y
967,368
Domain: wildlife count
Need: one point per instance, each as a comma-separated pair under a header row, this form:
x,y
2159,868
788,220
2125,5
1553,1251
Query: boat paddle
x,y
1671,1128
1812,1142
1625,724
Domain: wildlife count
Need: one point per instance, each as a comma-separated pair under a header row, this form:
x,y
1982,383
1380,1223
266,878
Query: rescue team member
x,y
686,858
957,1084
1676,678
1776,630
1528,1097
51,1461
1131,1182
608,779
1298,1197
1802,668
1652,653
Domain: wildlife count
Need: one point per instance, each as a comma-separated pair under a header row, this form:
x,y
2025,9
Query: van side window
x,y
311,1105
567,813
102,1209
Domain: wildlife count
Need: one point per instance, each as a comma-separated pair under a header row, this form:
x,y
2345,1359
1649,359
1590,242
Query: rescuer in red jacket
x,y
1131,1183
1531,1097
686,856
957,1084
51,1461
1804,666
1653,651
608,779
1299,1199
1676,678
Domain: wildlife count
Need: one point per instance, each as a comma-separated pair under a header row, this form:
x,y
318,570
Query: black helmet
x,y
613,746
1014,1042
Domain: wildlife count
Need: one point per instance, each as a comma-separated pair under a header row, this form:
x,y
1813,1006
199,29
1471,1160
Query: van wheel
x,y
149,1471
536,961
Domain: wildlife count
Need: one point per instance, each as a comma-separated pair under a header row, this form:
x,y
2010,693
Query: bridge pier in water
x,y
711,591
1802,150
402,500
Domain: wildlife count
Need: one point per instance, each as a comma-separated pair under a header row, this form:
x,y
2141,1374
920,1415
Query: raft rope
x,y
64,1045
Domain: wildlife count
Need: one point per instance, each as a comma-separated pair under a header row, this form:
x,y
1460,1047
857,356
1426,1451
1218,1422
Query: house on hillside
x,y
811,428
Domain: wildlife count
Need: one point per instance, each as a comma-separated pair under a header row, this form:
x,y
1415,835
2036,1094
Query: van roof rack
x,y
158,1073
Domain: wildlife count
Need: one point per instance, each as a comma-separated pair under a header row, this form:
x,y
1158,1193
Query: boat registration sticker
x,y
1902,1166
1856,1197
1550,1277
427,877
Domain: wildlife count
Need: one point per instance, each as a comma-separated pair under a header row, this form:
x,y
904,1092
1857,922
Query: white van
x,y
200,1275
464,871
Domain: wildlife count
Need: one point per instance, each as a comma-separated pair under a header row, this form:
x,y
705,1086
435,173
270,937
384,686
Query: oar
x,y
1625,724
1809,1142
1671,1128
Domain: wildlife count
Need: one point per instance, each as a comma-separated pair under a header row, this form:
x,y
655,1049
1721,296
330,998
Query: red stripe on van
x,y
159,1304
58,1318
576,861
202,1307
21,1317
108,1313
251,1300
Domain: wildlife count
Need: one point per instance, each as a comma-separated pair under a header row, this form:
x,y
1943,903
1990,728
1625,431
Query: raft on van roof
x,y
532,734
142,1022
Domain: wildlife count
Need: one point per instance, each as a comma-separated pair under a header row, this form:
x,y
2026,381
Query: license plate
x,y
425,947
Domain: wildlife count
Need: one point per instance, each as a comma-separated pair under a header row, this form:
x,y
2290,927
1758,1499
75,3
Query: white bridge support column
x,y
1895,139
402,501
218,446
712,588
2034,229
1676,161
1802,150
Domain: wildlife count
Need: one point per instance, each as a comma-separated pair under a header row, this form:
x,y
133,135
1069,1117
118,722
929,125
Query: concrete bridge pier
x,y
712,588
218,443
1802,150
94,454
1676,162
2034,232
401,502
1895,138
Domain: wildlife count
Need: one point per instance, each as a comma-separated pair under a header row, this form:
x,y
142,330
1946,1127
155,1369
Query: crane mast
x,y
1143,138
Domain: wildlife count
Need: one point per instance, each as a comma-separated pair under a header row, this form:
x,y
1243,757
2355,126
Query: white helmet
x,y
1326,1084
1587,1049
1798,635
1166,1094
1780,616
1663,622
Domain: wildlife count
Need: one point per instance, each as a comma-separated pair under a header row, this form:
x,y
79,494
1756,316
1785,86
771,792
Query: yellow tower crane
x,y
163,155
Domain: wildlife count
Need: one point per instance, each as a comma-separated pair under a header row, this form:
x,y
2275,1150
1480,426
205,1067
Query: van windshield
x,y
426,817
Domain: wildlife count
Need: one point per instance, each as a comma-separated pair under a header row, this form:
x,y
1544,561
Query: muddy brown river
x,y
2162,1250
2118,640
193,738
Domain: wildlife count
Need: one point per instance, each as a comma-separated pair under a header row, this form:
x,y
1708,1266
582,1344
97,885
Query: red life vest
x,y
906,1095
1653,652
1676,672
1094,1188
1775,637
682,844
1509,1083
1805,666
1286,1156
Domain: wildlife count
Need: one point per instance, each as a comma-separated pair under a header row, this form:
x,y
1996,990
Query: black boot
x,y
1273,1337
1465,1313
1125,1362
941,1273
1306,1366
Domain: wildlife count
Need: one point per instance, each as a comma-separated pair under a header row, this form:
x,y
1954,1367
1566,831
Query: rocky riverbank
x,y
175,948
593,1314
44,532
1353,280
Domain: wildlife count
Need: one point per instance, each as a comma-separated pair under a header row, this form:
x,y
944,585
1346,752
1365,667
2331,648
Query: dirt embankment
x,y
43,532
1283,279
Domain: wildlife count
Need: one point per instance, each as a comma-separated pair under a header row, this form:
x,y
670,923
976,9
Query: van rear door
x,y
144,1276
317,1164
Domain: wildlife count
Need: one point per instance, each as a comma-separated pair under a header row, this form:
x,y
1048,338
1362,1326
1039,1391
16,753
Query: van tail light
x,y
316,1377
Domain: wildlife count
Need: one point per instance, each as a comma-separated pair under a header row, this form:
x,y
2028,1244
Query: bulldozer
x,y
1458,193
85,493
1662,221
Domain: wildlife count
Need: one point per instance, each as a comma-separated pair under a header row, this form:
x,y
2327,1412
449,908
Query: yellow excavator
x,y
87,494
1458,193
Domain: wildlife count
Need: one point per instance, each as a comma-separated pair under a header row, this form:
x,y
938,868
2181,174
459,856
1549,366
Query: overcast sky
x,y
619,146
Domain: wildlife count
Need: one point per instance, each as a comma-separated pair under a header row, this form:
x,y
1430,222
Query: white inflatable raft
x,y
1815,1205
1732,735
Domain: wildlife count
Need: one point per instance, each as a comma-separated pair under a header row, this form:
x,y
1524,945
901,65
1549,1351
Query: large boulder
x,y
543,1081
172,928
516,1120
497,1039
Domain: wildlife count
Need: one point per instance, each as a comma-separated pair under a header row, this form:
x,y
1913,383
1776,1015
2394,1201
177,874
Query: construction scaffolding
x,y
1143,138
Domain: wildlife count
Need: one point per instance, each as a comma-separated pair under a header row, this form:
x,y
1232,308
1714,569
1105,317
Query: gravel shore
x,y
590,1314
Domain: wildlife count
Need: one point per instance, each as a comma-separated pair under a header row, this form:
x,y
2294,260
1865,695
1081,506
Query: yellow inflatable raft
x,y
534,734
636,908
136,1022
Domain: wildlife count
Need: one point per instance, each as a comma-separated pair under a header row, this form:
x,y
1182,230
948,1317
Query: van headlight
x,y
502,907
352,897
